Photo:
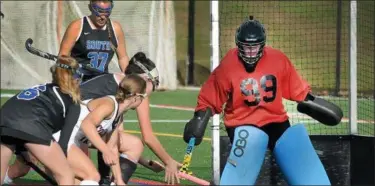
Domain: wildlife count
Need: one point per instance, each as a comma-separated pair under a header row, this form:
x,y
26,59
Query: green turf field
x,y
168,125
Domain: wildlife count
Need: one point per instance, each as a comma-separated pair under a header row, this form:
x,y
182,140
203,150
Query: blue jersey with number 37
x,y
256,97
93,46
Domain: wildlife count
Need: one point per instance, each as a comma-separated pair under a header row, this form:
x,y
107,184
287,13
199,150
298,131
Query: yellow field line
x,y
162,134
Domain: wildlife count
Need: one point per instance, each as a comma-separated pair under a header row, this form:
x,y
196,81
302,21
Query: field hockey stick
x,y
187,158
52,57
193,179
38,170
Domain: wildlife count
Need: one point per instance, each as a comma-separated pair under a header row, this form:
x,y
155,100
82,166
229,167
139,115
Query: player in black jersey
x,y
93,40
29,119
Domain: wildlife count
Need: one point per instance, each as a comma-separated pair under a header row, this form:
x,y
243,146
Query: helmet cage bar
x,y
243,54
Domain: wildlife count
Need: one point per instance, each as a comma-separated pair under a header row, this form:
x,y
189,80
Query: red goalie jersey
x,y
256,97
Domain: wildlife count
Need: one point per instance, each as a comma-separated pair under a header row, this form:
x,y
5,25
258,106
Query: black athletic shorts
x,y
18,138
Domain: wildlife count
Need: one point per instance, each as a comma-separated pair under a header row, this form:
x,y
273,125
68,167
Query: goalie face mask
x,y
250,39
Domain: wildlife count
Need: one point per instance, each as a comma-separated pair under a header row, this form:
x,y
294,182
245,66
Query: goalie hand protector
x,y
321,110
197,126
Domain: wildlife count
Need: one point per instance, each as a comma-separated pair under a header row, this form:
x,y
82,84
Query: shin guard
x,y
128,167
298,161
246,156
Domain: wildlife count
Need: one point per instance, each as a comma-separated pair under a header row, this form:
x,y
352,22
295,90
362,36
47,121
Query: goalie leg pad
x,y
246,156
298,161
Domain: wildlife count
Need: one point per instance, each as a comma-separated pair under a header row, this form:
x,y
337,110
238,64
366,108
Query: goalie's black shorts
x,y
273,130
33,115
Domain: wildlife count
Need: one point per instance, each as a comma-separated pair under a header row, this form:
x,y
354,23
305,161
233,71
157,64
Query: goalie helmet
x,y
250,39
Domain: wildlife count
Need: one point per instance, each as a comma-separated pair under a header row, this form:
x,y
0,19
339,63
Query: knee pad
x,y
298,161
246,156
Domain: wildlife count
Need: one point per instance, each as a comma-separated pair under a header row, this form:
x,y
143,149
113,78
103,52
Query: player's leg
x,y
246,157
19,168
6,154
131,149
82,166
296,156
104,170
54,159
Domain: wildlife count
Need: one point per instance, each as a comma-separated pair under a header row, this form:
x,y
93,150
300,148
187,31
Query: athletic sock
x,y
7,179
89,182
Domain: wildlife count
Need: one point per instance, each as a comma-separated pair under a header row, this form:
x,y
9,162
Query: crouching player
x,y
108,84
29,119
252,79
97,120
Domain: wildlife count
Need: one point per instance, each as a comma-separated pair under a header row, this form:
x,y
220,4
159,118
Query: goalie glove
x,y
321,110
197,126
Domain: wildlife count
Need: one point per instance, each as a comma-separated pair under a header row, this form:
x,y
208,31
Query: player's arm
x,y
123,58
120,124
143,114
70,121
114,137
70,36
298,90
113,145
92,120
213,94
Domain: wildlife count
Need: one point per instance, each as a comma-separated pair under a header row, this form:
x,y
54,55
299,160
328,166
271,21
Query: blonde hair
x,y
129,86
63,77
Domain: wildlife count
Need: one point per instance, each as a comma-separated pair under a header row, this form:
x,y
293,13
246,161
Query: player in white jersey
x,y
99,123
106,126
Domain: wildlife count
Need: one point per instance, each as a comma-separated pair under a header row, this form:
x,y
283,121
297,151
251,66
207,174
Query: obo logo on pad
x,y
241,143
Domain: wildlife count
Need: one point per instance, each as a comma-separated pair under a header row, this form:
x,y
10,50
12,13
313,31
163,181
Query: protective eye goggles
x,y
141,95
77,74
152,75
99,11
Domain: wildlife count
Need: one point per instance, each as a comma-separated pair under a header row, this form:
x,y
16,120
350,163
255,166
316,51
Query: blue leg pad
x,y
246,156
298,161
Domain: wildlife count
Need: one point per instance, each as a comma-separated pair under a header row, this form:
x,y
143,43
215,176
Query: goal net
x,y
148,26
330,43
315,36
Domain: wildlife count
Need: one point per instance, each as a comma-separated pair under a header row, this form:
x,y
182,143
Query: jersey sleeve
x,y
70,121
295,88
214,92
